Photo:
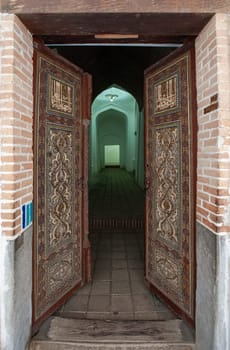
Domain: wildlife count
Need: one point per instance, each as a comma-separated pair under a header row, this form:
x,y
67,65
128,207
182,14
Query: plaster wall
x,y
213,292
15,291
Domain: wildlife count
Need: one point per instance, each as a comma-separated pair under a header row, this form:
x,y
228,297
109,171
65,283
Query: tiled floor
x,y
117,290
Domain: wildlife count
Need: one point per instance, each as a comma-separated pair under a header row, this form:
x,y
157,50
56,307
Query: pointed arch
x,y
116,118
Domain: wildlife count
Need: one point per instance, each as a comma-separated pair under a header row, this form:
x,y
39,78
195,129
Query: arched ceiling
x,y
111,115
120,98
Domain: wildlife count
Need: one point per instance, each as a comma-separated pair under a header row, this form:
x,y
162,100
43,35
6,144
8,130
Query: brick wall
x,y
16,104
213,95
213,92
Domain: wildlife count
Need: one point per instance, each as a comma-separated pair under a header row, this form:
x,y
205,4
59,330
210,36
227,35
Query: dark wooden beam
x,y
89,24
113,6
89,39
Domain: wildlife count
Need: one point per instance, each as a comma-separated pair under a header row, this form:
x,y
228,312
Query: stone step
x,y
45,345
72,334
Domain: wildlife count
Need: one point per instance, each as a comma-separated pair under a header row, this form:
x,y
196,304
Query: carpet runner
x,y
115,201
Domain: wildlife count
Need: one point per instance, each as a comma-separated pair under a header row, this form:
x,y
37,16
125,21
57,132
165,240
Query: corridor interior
x,y
117,290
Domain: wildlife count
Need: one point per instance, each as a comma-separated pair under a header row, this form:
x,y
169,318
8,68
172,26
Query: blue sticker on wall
x,y
23,216
27,214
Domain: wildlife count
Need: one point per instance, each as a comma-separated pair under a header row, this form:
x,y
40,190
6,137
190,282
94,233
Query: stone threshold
x,y
72,334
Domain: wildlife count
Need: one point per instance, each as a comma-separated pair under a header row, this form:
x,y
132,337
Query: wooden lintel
x,y
164,24
114,6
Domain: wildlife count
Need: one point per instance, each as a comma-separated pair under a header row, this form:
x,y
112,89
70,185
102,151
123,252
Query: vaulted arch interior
x,y
117,121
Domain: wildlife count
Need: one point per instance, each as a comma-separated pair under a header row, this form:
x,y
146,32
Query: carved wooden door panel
x,y
170,176
60,182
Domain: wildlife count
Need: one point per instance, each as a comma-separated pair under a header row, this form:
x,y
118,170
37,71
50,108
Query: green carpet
x,y
115,200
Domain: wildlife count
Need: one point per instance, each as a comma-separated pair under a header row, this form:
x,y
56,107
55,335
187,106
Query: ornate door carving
x,y
60,188
170,176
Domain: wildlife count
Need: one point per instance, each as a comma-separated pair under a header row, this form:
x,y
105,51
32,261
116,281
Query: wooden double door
x,y
61,250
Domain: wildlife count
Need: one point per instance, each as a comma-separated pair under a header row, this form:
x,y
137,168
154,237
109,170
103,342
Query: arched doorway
x,y
116,121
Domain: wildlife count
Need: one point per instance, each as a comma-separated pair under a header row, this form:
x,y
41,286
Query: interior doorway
x,y
112,155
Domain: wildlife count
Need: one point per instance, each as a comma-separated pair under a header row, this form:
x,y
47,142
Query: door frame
x,y
86,105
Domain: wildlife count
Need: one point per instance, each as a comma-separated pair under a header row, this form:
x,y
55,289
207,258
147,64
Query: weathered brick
x,y
218,219
210,225
213,208
213,76
16,121
218,201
